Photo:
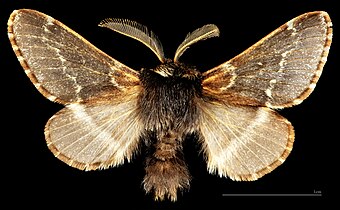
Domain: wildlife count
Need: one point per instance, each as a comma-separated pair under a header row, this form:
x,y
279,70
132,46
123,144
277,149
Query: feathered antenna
x,y
205,32
136,31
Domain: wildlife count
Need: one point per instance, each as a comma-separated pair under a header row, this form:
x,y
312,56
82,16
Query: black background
x,y
31,170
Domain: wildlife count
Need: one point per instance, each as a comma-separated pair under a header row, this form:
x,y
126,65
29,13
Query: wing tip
x,y
22,60
323,59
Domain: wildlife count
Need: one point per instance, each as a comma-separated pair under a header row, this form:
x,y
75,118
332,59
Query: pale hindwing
x,y
62,65
95,135
280,70
243,143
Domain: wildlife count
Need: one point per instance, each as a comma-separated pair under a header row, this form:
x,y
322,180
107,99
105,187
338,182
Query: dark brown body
x,y
169,112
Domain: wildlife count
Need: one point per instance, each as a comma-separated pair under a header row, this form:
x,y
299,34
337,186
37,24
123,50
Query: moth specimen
x,y
111,109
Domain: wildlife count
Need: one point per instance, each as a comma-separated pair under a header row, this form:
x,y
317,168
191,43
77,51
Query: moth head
x,y
177,70
141,33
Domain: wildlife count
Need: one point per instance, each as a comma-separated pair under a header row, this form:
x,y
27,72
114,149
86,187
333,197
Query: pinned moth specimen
x,y
112,109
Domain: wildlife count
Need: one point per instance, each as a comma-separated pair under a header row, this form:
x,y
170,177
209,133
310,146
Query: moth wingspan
x,y
280,70
243,143
62,65
95,135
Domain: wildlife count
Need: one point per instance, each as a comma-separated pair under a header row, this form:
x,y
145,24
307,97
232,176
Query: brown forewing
x,y
278,71
61,64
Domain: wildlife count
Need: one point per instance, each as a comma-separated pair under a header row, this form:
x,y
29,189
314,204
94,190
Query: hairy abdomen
x,y
169,115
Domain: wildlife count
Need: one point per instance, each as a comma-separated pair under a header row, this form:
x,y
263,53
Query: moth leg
x,y
166,170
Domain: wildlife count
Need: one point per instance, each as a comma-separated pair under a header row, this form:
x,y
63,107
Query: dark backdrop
x,y
31,170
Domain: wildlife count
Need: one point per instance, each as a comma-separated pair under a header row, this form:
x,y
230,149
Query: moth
x,y
112,110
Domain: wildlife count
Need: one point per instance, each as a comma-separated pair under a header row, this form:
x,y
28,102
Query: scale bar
x,y
275,195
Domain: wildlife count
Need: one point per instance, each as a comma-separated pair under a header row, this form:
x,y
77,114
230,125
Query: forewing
x,y
280,70
95,135
62,65
243,142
